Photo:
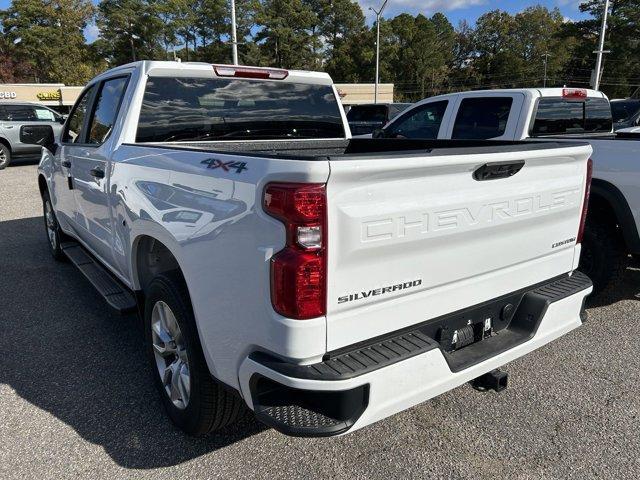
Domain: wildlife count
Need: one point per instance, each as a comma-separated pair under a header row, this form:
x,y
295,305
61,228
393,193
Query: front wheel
x,y
193,399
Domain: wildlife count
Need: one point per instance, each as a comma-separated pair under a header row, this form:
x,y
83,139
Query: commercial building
x,y
359,93
57,96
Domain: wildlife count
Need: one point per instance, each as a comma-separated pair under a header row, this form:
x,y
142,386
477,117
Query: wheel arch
x,y
151,256
6,143
606,196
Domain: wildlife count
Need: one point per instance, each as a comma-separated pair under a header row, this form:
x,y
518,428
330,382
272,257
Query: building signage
x,y
55,95
7,95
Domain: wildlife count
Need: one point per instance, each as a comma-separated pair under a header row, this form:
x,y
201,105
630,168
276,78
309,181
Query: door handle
x,y
97,172
66,163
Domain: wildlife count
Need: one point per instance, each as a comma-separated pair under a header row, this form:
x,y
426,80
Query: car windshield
x,y
623,110
187,109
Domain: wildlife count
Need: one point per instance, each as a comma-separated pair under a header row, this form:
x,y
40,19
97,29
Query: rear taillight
x,y
298,271
585,205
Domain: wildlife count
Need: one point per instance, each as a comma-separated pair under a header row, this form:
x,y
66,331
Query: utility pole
x,y
546,58
234,39
597,77
378,15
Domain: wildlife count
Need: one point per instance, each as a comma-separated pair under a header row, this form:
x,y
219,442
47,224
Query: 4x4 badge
x,y
226,166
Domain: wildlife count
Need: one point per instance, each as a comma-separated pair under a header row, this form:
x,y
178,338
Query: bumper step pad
x,y
115,294
306,413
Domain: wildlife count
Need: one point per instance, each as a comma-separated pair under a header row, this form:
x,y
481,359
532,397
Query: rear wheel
x,y
604,258
5,156
54,233
193,399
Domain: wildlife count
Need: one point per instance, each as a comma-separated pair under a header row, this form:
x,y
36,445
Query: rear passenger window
x,y
367,113
75,123
482,118
421,122
20,113
106,109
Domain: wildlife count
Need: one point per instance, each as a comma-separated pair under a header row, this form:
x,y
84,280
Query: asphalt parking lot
x,y
76,397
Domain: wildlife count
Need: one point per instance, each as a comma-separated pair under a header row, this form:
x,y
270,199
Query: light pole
x,y
546,58
234,40
601,50
378,14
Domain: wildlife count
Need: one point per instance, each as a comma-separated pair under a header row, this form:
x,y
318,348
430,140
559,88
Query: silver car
x,y
13,116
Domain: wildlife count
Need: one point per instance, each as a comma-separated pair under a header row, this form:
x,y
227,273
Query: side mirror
x,y
378,133
38,135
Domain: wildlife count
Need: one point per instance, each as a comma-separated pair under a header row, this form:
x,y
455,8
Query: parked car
x,y
551,114
12,116
321,281
626,113
364,119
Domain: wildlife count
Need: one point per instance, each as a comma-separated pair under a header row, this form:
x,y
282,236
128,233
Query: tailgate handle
x,y
495,170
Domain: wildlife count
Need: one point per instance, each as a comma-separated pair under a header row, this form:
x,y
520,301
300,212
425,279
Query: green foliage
x,y
422,56
130,30
46,38
285,37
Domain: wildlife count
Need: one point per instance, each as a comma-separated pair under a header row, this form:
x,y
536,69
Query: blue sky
x,y
455,10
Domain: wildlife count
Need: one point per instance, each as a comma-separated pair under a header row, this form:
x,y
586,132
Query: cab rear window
x,y
187,109
556,116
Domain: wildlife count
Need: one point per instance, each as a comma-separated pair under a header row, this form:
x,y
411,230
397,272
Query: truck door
x,y
88,157
63,195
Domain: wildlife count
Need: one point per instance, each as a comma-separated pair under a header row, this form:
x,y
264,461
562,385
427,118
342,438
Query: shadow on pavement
x,y
64,351
629,288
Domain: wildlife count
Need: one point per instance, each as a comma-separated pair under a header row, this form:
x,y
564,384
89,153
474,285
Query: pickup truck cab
x,y
571,114
278,265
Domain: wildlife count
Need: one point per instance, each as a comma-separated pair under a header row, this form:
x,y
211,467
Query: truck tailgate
x,y
416,236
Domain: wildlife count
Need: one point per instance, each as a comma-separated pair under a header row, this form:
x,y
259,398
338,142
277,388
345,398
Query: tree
x,y
47,35
537,35
285,36
341,25
495,58
130,30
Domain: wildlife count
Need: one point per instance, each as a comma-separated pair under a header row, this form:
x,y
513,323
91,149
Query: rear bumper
x,y
360,385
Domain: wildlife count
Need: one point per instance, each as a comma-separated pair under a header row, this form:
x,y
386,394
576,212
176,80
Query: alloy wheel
x,y
170,353
50,220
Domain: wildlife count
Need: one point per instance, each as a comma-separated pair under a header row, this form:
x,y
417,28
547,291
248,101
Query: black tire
x,y
5,156
211,405
55,236
604,258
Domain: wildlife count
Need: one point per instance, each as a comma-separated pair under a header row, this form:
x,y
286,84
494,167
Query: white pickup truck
x,y
571,114
324,282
